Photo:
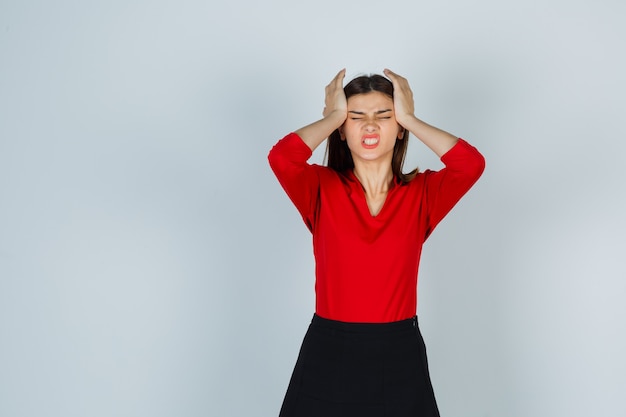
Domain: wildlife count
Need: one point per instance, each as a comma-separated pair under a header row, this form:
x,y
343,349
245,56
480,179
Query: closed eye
x,y
380,114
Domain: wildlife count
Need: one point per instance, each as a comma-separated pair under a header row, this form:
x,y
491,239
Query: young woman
x,y
363,354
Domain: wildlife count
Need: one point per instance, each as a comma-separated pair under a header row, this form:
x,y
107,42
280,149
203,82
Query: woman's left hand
x,y
436,139
404,107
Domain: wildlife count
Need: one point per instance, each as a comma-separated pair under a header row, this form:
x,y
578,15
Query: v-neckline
x,y
363,195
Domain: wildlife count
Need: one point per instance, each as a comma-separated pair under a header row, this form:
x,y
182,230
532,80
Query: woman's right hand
x,y
335,113
335,100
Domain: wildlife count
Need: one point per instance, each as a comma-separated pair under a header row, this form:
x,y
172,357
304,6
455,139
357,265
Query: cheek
x,y
349,130
397,130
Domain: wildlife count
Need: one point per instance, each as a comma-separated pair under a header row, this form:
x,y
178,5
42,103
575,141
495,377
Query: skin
x,y
364,115
371,116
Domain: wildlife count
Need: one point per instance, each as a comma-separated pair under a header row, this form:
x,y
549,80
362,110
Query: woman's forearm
x,y
316,132
439,141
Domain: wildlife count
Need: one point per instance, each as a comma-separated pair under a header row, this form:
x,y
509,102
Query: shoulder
x,y
418,179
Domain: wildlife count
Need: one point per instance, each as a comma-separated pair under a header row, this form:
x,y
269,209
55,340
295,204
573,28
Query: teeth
x,y
370,141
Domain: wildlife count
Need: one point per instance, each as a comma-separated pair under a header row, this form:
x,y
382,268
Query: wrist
x,y
407,120
336,116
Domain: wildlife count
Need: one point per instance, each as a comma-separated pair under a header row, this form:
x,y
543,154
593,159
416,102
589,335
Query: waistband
x,y
367,328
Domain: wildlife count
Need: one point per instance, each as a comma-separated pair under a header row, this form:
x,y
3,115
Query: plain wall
x,y
151,265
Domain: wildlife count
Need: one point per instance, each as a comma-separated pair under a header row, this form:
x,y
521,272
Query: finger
x,y
339,77
395,78
389,73
336,82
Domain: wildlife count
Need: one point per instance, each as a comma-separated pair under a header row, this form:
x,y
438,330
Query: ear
x,y
400,133
341,134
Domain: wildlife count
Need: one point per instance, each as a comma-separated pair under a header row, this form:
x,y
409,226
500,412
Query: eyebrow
x,y
363,113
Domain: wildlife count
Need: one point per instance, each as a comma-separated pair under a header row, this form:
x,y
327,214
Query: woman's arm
x,y
288,158
335,113
436,139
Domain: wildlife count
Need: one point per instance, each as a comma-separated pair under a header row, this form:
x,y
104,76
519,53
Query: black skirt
x,y
361,369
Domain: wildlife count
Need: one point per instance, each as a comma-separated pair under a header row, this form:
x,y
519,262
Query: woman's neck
x,y
375,178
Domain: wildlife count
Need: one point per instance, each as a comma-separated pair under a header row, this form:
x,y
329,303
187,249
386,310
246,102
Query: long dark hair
x,y
338,155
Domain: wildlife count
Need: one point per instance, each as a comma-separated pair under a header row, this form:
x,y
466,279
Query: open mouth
x,y
370,142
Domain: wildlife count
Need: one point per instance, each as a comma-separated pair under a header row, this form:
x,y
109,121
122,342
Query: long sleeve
x,y
444,188
300,180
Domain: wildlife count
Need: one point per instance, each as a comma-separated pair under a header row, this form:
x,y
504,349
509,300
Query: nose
x,y
370,125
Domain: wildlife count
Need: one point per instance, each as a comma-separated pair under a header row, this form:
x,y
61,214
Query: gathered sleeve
x,y
444,188
300,180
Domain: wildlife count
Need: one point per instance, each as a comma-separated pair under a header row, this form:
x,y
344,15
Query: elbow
x,y
274,159
476,163
271,158
479,165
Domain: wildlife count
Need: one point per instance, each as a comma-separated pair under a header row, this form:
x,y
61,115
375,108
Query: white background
x,y
150,264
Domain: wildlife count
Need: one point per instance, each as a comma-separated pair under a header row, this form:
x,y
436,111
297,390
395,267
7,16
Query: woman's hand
x,y
404,107
335,100
335,113
436,139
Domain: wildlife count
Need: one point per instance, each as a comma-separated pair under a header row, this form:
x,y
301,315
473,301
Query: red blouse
x,y
366,266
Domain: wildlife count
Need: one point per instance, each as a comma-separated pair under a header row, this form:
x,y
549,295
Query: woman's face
x,y
371,128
